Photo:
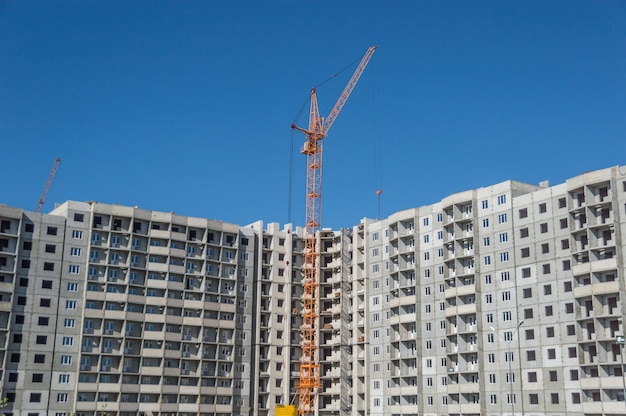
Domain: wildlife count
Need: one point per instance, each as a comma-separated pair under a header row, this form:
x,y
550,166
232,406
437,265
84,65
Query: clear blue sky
x,y
185,106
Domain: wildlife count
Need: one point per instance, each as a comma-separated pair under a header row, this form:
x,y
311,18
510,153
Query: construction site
x,y
507,299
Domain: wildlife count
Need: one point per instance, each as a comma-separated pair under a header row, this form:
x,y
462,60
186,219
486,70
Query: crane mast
x,y
318,129
46,188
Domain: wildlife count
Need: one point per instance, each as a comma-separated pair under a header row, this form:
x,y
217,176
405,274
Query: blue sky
x,y
185,106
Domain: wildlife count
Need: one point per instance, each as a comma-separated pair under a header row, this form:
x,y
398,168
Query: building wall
x,y
499,300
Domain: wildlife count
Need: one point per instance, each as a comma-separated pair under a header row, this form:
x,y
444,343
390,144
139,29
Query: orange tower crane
x,y
48,184
318,129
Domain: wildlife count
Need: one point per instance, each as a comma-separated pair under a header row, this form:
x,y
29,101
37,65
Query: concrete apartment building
x,y
499,300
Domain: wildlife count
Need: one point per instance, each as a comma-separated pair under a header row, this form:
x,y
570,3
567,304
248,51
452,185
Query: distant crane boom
x,y
46,188
318,129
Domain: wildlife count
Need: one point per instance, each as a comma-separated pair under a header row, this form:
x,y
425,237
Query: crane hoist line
x,y
310,385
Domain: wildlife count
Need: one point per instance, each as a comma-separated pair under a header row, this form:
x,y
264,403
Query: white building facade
x,y
501,300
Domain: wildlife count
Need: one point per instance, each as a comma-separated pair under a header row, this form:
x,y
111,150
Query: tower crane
x,y
48,184
318,129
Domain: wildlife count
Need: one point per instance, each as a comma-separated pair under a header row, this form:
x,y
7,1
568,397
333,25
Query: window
x,y
72,287
75,251
29,227
550,332
484,204
70,323
523,232
62,398
67,341
571,330
25,264
74,269
64,378
48,266
547,290
504,237
569,308
36,397
553,375
488,298
52,231
531,355
566,265
551,354
501,218
66,359
527,293
543,228
543,208
70,304
501,199
523,213
27,245
504,257
487,260
43,320
486,222
545,248
528,313
554,398
44,302
46,284
506,295
51,248
426,222
571,351
506,315
77,235
533,398
549,310
37,378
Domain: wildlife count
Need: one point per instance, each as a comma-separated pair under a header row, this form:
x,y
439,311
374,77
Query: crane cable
x,y
377,139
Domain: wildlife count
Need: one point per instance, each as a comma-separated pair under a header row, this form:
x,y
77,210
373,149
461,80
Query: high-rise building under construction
x,y
507,299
